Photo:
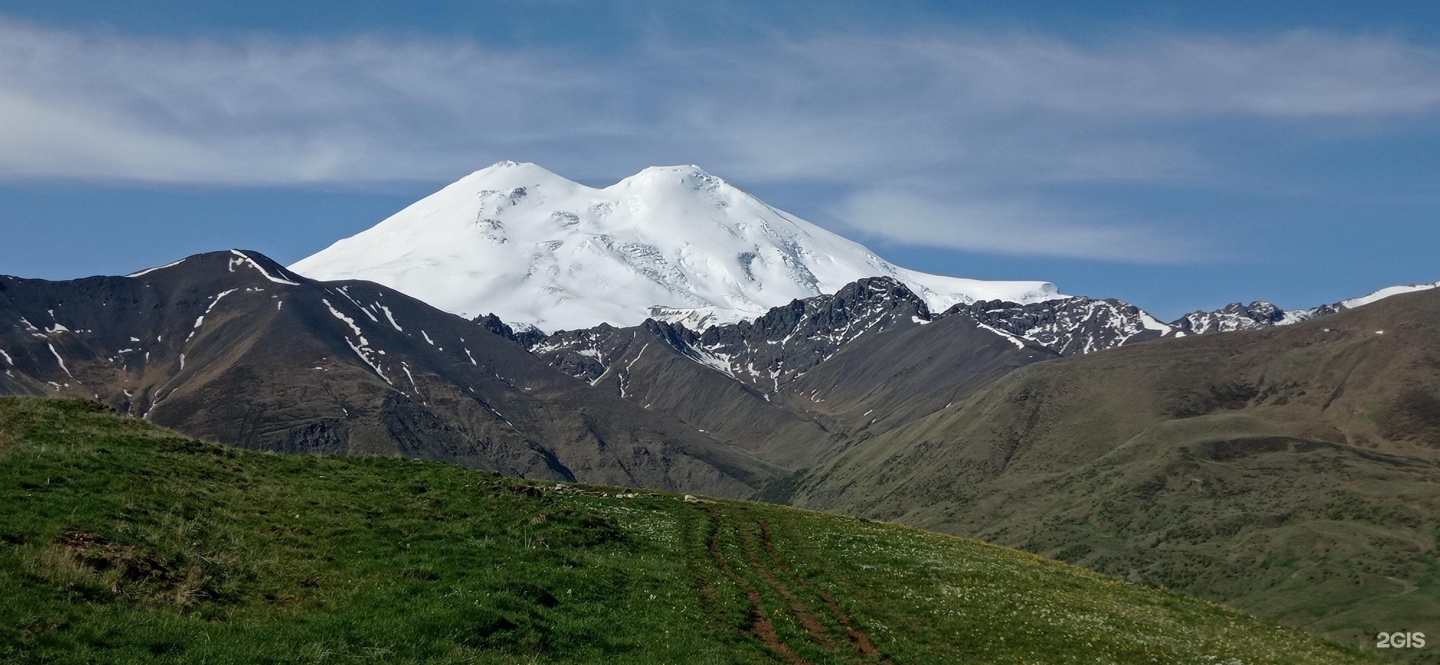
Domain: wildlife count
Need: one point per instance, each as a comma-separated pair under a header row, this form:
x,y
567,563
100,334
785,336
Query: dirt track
x,y
763,575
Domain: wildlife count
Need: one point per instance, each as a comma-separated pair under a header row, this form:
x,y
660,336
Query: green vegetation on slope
x,y
125,543
1290,472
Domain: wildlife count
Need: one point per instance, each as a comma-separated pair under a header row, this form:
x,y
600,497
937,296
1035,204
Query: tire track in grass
x,y
760,624
862,643
818,632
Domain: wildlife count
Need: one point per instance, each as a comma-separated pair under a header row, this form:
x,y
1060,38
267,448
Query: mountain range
x,y
232,346
671,331
676,244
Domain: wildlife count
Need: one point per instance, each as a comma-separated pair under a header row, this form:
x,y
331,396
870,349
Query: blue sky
x,y
1178,157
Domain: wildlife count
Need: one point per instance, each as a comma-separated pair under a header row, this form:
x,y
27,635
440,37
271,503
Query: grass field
x,y
120,542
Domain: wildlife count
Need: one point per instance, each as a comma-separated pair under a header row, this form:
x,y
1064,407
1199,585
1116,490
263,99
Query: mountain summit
x,y
672,243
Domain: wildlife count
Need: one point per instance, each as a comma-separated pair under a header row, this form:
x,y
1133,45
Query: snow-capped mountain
x,y
1261,314
671,243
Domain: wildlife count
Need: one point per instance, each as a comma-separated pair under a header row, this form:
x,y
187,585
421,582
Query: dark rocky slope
x,y
231,346
804,381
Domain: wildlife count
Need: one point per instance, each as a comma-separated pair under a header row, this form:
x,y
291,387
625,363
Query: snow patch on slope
x,y
59,360
244,259
1385,293
150,270
359,345
1019,343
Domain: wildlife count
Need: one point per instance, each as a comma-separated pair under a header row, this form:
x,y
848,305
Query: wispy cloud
x,y
1040,106
899,121
76,105
1010,227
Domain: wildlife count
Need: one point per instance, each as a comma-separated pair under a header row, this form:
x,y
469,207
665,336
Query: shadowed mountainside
x,y
231,346
804,381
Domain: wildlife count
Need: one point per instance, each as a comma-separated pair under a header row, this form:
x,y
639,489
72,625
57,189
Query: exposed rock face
x,y
233,347
787,341
765,353
806,379
1238,316
525,336
1070,326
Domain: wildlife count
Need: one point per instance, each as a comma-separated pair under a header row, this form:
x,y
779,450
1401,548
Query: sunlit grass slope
x,y
120,542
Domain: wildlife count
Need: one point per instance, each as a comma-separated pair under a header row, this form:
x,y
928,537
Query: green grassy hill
x,y
1292,472
120,542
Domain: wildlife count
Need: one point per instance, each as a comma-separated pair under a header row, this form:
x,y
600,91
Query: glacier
x,y
672,243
